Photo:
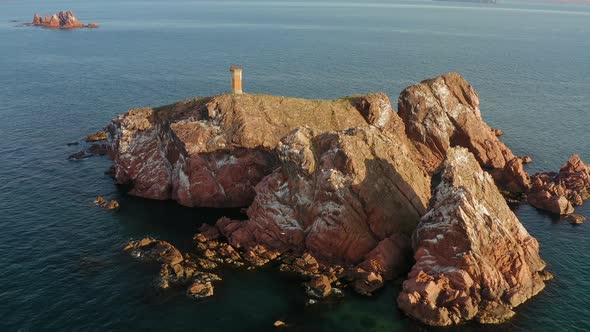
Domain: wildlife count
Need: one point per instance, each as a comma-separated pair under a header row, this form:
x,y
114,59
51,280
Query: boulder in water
x,y
560,192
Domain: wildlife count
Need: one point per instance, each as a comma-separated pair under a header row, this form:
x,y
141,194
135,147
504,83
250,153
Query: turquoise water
x,y
62,268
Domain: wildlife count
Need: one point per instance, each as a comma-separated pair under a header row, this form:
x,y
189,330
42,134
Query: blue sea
x,y
61,265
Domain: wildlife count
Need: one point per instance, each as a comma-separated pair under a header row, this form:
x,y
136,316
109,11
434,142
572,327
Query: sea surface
x,y
61,265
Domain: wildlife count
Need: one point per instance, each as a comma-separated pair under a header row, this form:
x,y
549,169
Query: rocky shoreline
x,y
343,192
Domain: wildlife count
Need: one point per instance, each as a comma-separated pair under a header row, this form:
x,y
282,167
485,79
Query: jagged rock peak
x,y
443,112
474,259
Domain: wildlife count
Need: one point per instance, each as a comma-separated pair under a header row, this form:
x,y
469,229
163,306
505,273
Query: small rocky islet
x,y
349,193
62,20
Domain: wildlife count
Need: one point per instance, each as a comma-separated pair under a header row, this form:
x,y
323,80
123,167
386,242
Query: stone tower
x,y
236,79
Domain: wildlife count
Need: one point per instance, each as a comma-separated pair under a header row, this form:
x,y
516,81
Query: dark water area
x,y
62,266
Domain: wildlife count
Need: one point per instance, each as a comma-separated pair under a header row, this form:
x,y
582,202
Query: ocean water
x,y
60,257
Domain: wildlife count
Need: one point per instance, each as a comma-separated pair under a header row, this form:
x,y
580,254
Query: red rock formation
x,y
474,259
443,112
211,152
61,20
337,187
560,193
346,197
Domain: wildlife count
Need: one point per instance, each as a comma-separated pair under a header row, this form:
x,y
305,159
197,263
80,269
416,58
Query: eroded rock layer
x,y
474,259
211,152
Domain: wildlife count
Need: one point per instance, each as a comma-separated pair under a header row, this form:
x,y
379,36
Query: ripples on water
x,y
62,266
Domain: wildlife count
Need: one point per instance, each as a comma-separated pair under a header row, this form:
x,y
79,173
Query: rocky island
x,y
349,193
61,20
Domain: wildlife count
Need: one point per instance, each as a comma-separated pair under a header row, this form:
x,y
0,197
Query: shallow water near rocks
x,y
61,256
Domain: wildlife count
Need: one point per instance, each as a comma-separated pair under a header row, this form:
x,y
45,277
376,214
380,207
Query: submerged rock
x,y
98,149
443,112
560,192
474,259
79,155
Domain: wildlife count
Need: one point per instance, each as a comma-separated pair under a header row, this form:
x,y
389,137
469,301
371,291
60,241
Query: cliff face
x,y
337,195
444,112
474,259
211,152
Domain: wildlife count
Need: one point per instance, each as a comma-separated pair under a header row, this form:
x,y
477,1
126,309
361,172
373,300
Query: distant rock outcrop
x,y
61,20
474,259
